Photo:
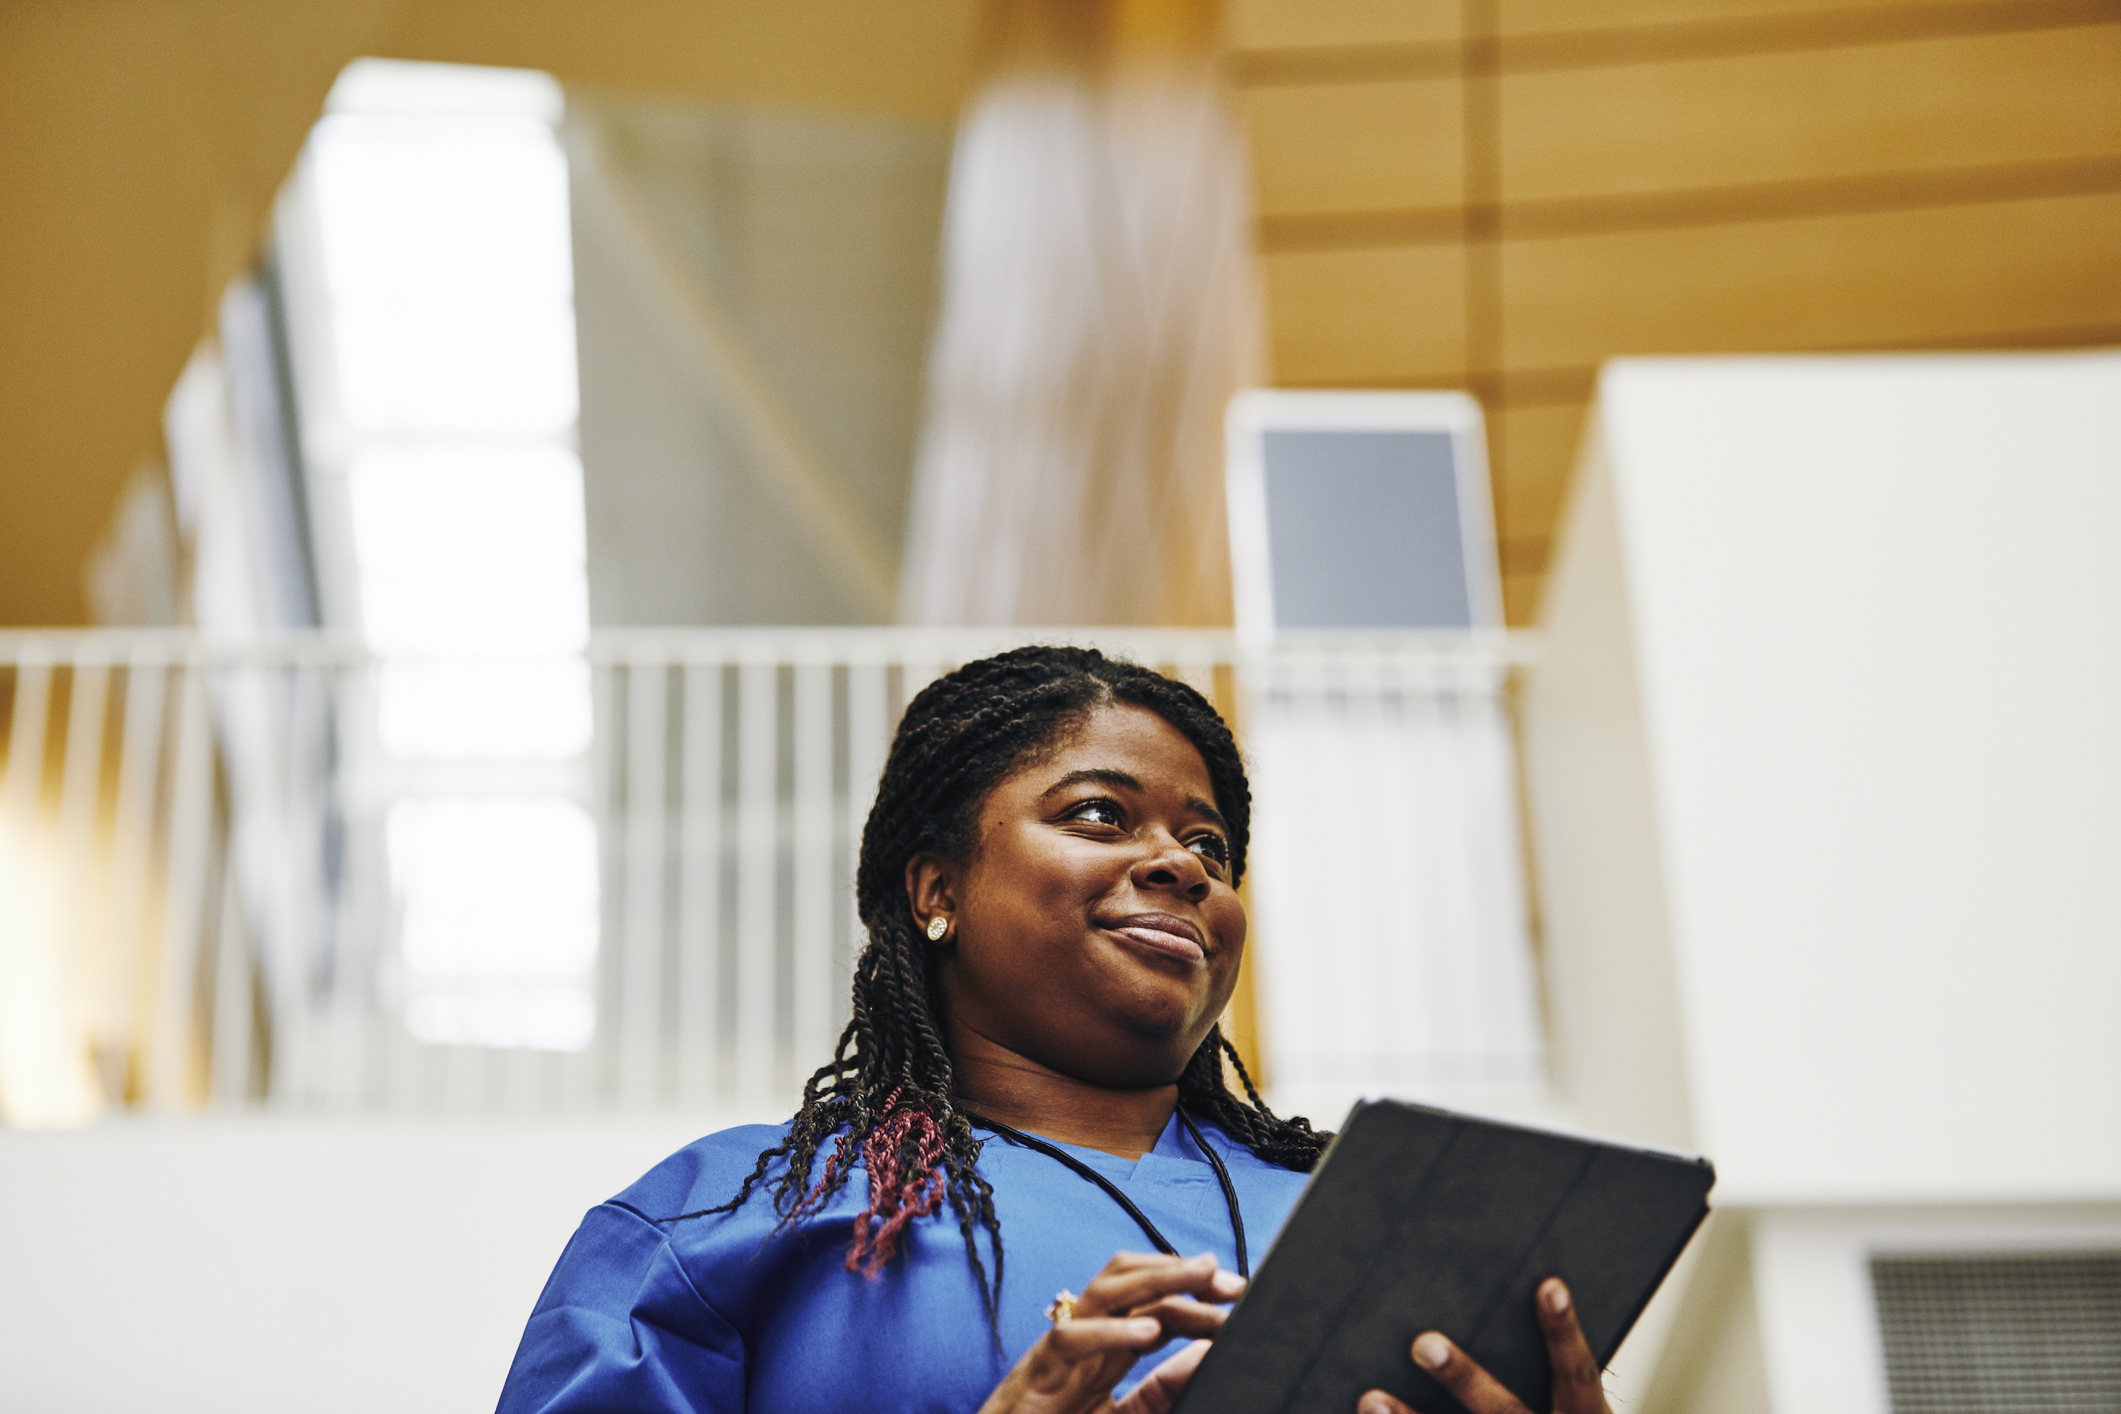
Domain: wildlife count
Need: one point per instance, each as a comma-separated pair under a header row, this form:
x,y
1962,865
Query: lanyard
x,y
1083,1170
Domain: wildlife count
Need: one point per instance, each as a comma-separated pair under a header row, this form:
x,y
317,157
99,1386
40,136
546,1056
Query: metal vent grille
x,y
1984,1333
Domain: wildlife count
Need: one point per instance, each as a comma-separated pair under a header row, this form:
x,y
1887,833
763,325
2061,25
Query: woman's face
x,y
1094,930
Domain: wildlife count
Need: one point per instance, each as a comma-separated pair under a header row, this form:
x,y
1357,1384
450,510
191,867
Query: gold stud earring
x,y
937,926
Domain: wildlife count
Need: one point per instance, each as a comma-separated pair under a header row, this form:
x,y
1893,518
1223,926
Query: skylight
x,y
434,201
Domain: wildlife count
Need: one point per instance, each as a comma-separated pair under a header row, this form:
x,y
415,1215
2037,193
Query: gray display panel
x,y
1364,530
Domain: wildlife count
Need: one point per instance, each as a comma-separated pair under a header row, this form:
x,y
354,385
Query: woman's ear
x,y
931,891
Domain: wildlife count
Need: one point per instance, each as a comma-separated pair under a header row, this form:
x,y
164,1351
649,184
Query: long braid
x,y
1291,1143
884,1100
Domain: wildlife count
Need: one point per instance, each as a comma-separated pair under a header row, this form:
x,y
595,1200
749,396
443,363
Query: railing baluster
x,y
301,894
639,1019
80,778
229,1034
758,762
44,903
1389,764
255,842
1283,701
22,787
699,969
82,770
127,1003
170,1081
868,737
366,923
587,1073
1499,891
1450,748
813,867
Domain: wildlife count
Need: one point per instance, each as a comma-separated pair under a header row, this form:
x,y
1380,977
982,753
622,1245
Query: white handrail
x,y
789,645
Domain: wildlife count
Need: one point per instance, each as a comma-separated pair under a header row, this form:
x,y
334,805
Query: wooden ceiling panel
x,y
903,58
1520,598
1350,147
1279,24
1535,452
140,146
1552,16
1379,317
1793,117
2004,272
141,143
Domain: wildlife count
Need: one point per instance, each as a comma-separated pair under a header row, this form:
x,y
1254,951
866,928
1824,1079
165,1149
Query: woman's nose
x,y
1172,866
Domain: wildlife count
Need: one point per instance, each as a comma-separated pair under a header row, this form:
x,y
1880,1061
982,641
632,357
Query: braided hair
x,y
885,1099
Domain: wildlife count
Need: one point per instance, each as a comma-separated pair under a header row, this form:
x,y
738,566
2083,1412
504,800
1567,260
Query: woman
x,y
1048,878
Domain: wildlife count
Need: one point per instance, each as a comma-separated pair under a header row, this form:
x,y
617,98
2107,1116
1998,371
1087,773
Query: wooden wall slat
x,y
1280,24
1780,117
1357,146
1552,16
1696,206
1713,30
1378,317
1811,30
1853,281
1908,190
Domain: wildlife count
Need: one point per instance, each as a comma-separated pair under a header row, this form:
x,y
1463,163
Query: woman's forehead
x,y
1123,738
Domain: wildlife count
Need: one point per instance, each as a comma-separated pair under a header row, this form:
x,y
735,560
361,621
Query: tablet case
x,y
1420,1219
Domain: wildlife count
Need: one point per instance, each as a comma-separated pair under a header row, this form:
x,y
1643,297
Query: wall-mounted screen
x,y
1360,512
1363,530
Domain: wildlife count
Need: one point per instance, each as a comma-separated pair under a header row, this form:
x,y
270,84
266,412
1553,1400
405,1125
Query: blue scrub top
x,y
721,1313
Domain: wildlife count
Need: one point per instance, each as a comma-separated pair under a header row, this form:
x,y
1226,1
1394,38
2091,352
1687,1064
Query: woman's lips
x,y
1161,933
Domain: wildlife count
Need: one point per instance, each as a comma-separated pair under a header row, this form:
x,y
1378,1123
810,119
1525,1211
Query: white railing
x,y
216,905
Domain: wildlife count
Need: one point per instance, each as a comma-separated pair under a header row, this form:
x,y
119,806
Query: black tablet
x,y
1420,1219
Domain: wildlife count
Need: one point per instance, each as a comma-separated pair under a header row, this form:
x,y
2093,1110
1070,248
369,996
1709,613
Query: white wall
x,y
284,1264
1611,993
806,246
1866,616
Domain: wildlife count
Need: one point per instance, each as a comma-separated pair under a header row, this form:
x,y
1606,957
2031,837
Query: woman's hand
x,y
1134,1305
1577,1388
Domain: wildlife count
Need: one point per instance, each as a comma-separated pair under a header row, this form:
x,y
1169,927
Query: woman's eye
x,y
1213,847
1097,812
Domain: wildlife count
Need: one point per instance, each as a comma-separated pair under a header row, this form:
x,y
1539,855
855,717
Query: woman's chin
x,y
1154,1075
1157,1045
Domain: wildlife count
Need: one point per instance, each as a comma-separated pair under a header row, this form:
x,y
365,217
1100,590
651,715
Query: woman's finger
x,y
1080,1339
1125,1285
1479,1391
1140,1284
1136,1303
1134,1261
1072,1368
1578,1389
1182,1315
1157,1393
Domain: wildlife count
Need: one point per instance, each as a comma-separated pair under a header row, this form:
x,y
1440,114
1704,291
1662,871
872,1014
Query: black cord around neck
x,y
1112,1190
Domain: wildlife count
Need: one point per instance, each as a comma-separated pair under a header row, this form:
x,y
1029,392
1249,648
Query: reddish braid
x,y
899,1191
886,1096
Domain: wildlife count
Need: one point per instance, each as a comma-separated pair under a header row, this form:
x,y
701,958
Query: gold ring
x,y
1063,1307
